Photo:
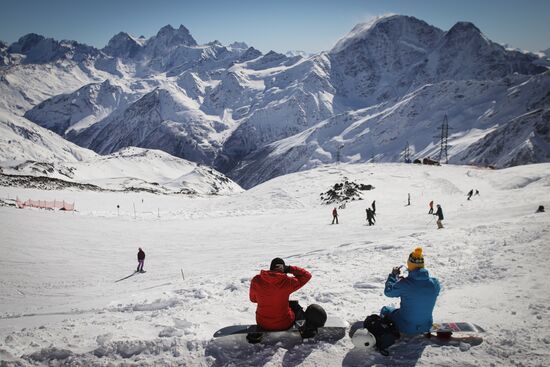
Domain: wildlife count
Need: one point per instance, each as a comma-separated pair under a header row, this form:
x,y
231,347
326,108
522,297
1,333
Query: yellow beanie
x,y
416,260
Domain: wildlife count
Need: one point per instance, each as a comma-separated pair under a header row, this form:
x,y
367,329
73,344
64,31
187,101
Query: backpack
x,y
384,330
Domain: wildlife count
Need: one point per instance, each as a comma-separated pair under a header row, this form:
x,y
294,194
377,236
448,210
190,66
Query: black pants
x,y
314,316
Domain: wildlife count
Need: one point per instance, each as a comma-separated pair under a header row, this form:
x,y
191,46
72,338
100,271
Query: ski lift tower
x,y
407,153
338,153
444,140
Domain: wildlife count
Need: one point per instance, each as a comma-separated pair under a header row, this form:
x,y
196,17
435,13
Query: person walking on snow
x,y
271,289
334,215
418,293
370,216
431,207
408,199
440,217
470,193
141,259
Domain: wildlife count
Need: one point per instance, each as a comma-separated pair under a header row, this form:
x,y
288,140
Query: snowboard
x,y
448,332
334,329
442,333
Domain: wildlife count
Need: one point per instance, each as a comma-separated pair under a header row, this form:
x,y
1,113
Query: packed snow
x,y
69,295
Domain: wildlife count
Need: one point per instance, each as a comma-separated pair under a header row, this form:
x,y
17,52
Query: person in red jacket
x,y
271,290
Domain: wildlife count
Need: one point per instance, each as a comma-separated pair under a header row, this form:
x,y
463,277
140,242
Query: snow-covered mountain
x,y
80,109
32,151
255,116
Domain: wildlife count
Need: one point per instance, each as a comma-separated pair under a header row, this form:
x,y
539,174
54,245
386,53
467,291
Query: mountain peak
x,y
464,27
465,32
25,43
392,26
169,36
122,45
239,45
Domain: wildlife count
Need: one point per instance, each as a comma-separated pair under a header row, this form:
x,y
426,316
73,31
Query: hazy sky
x,y
309,25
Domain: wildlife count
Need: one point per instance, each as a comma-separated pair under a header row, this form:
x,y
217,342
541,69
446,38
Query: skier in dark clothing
x,y
477,192
470,193
370,216
439,214
540,209
431,207
141,259
334,215
374,206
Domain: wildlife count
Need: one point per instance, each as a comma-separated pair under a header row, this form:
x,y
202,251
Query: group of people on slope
x,y
271,290
371,214
471,192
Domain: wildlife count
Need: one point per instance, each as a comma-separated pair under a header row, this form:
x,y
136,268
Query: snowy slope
x,y
31,150
60,304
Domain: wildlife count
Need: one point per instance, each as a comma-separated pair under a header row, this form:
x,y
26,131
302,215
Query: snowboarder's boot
x,y
254,338
308,332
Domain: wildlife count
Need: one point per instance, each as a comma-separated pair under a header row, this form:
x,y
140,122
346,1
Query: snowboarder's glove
x,y
287,268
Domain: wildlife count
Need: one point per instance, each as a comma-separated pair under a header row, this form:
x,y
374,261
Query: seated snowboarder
x,y
141,259
271,290
540,209
418,293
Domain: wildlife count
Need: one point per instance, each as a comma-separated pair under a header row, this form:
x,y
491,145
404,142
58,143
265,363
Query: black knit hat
x,y
276,261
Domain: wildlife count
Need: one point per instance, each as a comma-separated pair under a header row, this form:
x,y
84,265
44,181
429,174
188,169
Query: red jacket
x,y
270,290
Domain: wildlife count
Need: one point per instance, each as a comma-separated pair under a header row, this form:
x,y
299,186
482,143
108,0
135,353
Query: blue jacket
x,y
418,293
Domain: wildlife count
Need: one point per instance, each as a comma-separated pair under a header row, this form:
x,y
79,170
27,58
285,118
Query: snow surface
x,y
60,303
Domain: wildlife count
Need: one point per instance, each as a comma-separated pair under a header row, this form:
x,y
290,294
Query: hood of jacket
x,y
419,274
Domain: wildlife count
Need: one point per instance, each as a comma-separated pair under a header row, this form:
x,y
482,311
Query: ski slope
x,y
60,304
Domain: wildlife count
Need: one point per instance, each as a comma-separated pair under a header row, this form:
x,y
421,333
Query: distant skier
x,y
431,207
373,206
470,193
271,290
370,216
440,217
540,209
141,260
408,199
334,215
418,293
477,193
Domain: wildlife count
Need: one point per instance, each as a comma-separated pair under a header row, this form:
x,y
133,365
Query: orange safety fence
x,y
44,204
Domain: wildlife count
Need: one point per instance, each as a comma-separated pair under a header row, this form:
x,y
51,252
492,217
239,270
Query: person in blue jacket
x,y
418,293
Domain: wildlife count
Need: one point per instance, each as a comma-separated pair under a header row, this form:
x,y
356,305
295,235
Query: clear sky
x,y
309,25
